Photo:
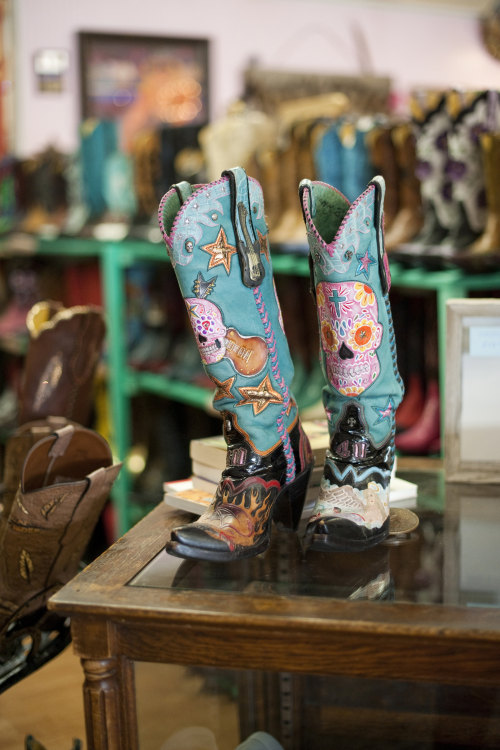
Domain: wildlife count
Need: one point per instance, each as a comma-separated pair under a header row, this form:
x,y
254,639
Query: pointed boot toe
x,y
194,541
341,534
200,542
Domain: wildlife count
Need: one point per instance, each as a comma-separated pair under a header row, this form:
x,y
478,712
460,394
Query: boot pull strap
x,y
247,243
306,194
305,187
183,190
383,265
64,437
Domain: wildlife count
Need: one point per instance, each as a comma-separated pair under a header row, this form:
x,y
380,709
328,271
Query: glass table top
x,y
452,558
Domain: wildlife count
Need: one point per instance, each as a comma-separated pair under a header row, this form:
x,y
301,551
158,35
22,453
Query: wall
x,y
415,45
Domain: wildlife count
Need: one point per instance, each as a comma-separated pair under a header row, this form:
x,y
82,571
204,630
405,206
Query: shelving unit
x,y
123,382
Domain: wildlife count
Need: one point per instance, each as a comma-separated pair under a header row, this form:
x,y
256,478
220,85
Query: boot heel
x,y
290,502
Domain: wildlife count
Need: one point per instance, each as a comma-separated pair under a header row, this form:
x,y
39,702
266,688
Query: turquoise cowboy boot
x,y
350,278
216,236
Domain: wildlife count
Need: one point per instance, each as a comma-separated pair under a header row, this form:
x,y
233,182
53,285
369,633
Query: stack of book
x,y
208,460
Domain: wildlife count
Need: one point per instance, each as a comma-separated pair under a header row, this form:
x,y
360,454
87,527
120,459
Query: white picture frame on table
x,y
472,387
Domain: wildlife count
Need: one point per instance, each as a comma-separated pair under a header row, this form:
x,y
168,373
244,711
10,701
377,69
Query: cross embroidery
x,y
336,301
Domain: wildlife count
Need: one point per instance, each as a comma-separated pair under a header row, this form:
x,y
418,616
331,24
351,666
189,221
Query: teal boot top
x,y
217,239
351,281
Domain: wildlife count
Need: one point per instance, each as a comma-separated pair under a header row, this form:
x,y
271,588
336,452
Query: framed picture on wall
x,y
144,81
7,128
472,408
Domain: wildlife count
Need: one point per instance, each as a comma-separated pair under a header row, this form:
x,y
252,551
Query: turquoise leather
x,y
216,236
352,280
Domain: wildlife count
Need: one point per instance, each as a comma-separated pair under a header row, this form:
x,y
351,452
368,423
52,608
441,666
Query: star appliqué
x,y
223,388
220,251
365,261
384,412
260,396
264,244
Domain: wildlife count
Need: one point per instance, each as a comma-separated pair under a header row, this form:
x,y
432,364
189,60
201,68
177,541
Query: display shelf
x,y
115,257
162,385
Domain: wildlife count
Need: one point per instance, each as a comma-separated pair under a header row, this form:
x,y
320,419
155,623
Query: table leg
x,y
109,701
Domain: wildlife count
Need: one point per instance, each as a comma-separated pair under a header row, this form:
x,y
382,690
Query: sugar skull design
x,y
350,334
215,340
209,329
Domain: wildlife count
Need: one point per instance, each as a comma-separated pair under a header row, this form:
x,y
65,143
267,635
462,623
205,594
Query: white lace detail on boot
x,y
368,507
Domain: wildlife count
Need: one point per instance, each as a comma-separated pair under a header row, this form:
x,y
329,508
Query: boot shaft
x,y
216,236
16,450
63,352
488,243
474,114
490,153
409,186
351,281
432,123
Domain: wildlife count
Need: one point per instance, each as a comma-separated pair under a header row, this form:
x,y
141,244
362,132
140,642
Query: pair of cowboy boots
x,y
58,474
217,240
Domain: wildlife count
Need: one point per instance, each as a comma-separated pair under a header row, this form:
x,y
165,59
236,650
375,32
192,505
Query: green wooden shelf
x,y
162,385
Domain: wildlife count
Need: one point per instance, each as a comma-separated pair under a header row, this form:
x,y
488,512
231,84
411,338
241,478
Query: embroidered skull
x,y
209,329
350,334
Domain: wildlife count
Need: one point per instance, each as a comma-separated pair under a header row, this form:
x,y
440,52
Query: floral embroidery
x,y
364,294
329,337
363,334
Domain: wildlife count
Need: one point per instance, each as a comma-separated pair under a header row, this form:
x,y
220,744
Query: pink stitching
x,y
271,345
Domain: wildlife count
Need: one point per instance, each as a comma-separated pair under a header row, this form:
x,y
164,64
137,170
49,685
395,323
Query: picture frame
x,y
153,79
471,554
472,402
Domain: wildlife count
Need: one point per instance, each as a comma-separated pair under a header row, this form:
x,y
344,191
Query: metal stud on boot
x,y
216,236
351,280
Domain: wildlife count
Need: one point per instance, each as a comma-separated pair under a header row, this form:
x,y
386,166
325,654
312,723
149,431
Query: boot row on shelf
x,y
418,419
457,147
438,162
99,191
57,477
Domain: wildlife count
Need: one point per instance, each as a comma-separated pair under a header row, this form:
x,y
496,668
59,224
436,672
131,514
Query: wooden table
x,y
283,613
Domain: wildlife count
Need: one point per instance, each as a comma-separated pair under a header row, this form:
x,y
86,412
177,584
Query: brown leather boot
x,y
63,352
16,450
384,161
488,244
65,482
409,218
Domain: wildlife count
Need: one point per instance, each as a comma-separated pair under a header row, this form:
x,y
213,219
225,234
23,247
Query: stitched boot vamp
x,y
237,523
